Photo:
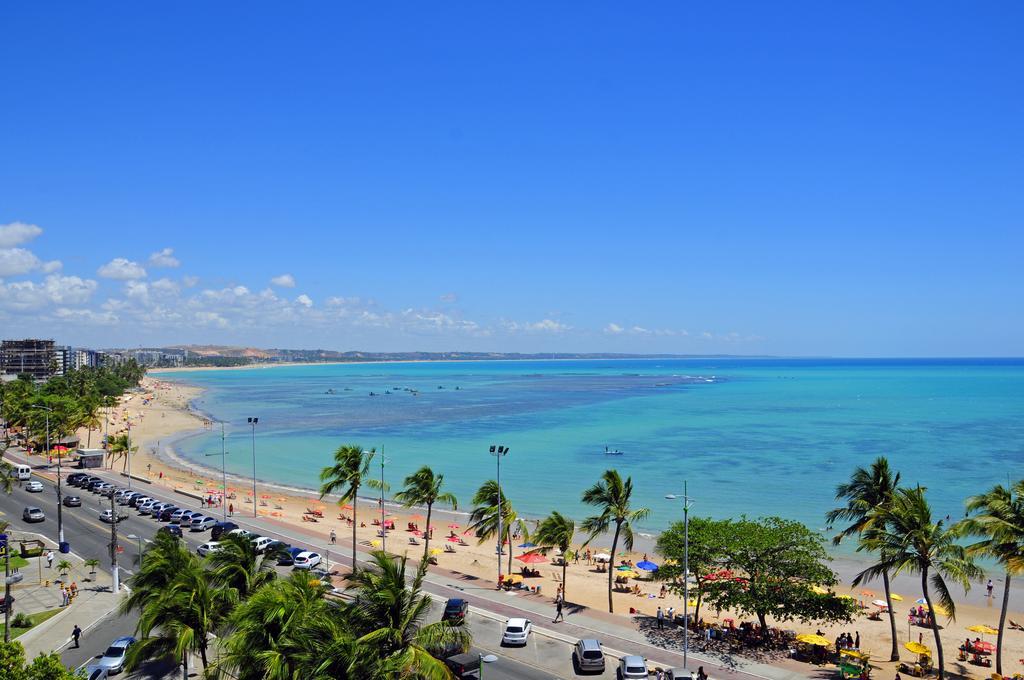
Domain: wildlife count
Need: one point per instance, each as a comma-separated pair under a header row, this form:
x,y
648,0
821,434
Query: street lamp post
x,y
499,452
252,423
223,474
128,451
686,571
60,504
133,537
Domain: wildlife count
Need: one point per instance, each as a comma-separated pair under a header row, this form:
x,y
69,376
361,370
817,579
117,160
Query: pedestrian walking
x,y
49,559
334,537
231,508
76,634
988,587
559,616
856,641
661,619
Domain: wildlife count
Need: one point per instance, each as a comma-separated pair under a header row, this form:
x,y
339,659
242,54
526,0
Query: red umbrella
x,y
416,517
416,533
453,526
983,646
455,539
532,558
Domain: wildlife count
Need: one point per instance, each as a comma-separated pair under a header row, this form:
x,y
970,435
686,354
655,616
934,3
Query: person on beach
x,y
334,537
231,508
661,619
988,587
856,641
76,634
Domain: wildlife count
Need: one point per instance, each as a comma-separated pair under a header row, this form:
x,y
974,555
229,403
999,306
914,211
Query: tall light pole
x,y
128,451
686,571
223,474
499,452
60,505
383,529
115,583
252,423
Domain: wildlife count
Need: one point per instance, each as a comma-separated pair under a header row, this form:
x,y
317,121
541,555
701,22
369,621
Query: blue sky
x,y
804,178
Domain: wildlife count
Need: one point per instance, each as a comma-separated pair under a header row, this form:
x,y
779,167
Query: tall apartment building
x,y
37,358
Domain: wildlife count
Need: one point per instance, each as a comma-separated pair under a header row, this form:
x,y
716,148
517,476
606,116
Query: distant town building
x,y
37,358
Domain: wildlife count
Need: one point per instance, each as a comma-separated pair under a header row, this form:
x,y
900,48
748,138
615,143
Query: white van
x,y
22,472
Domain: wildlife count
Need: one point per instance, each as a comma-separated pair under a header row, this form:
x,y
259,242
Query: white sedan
x,y
34,486
207,548
306,560
517,631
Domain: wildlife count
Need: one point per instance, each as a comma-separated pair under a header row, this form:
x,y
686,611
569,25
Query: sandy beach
x,y
160,412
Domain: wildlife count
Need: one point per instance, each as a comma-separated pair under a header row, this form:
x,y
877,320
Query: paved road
x,y
89,537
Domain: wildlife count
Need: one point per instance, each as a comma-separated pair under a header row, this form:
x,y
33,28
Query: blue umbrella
x,y
527,545
647,565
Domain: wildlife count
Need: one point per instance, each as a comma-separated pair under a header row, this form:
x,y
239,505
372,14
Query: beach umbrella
x,y
918,648
867,593
453,526
623,567
627,572
647,565
416,517
983,629
436,551
921,600
812,639
532,558
375,543
454,539
344,507
895,598
984,647
602,557
417,532
527,545
881,603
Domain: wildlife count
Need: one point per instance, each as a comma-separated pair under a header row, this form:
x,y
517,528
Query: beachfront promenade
x,y
615,632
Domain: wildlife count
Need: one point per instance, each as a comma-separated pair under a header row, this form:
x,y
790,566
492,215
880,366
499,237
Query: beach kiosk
x,y
853,663
90,458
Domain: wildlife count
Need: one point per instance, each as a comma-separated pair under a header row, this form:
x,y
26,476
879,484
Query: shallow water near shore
x,y
753,436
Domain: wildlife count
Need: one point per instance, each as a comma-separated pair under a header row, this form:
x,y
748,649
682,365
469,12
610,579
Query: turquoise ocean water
x,y
753,436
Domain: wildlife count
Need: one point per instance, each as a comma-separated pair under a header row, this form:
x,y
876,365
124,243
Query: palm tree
x,y
612,497
6,477
118,448
557,531
162,561
238,567
388,613
63,567
867,496
1000,521
423,487
907,540
92,563
350,471
287,629
484,518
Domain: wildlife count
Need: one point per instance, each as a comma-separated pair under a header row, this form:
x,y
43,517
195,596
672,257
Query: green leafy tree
x,y
908,540
775,564
92,563
350,471
424,487
63,567
237,566
6,477
998,518
117,448
288,629
388,614
43,667
613,497
483,520
867,498
557,531
706,554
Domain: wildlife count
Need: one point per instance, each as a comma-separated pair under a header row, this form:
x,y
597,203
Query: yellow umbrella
x,y
855,654
939,609
812,639
436,551
895,598
984,630
918,648
375,544
628,573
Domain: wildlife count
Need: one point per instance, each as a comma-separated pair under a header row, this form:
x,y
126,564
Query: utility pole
x,y
499,452
115,575
128,453
252,422
5,541
383,529
223,473
60,504
686,571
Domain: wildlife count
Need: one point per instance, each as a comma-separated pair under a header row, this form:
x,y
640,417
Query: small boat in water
x,y
612,452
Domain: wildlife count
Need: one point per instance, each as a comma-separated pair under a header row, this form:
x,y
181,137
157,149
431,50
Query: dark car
x,y
76,477
94,484
221,528
464,665
276,549
172,529
456,610
72,502
6,604
165,514
287,557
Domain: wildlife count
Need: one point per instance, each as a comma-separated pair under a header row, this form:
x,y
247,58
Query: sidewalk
x,y
93,602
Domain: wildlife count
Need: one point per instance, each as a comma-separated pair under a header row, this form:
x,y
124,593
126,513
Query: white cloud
x,y
17,261
449,298
542,326
15,233
52,266
165,286
122,269
164,258
54,290
283,281
614,329
189,281
304,300
338,301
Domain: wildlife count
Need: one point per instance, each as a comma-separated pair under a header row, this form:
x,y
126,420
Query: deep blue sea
x,y
750,436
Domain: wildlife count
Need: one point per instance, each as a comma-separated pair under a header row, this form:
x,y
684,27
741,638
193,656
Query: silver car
x,y
112,660
632,667
588,656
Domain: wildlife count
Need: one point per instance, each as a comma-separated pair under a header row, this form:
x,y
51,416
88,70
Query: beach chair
x,y
462,542
448,548
277,506
558,577
413,541
381,533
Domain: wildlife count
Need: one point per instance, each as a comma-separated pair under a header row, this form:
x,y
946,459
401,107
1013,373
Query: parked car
x,y
34,486
137,501
287,556
108,491
588,656
631,667
33,515
221,528
517,631
172,529
157,510
455,610
179,513
167,513
146,507
75,478
207,548
112,660
261,542
97,487
201,523
275,549
306,560
109,517
72,502
241,533
127,498
94,672
464,665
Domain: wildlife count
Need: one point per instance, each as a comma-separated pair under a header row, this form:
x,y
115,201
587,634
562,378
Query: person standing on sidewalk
x,y
559,616
49,559
661,619
76,634
334,537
